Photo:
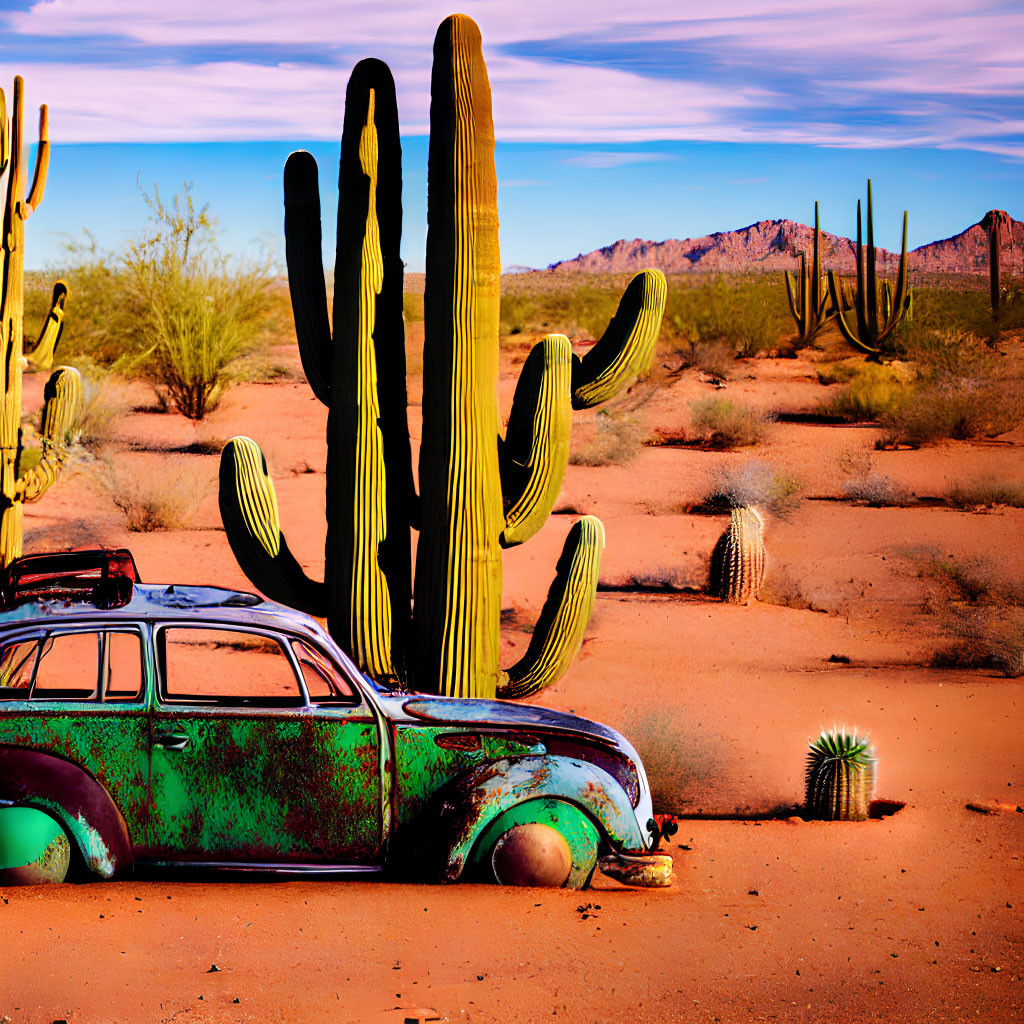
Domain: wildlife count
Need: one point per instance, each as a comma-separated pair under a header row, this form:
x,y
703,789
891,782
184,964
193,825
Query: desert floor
x,y
914,916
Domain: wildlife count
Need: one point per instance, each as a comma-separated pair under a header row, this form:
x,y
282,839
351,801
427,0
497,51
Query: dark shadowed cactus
x,y
878,313
995,222
808,294
479,492
737,562
840,777
63,390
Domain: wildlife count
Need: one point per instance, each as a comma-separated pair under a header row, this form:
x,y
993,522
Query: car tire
x,y
34,848
542,842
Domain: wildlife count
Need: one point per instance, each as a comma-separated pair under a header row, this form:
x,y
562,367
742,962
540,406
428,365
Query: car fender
x,y
471,801
34,778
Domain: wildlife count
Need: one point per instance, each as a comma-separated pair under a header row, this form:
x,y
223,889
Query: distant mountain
x,y
776,244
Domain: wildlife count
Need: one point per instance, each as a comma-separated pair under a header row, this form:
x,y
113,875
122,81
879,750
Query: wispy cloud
x,y
612,158
861,73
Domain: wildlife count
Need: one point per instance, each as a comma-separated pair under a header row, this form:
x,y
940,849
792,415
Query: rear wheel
x,y
34,848
542,842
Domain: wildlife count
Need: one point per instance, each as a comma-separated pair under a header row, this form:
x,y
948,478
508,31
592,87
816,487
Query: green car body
x,y
202,726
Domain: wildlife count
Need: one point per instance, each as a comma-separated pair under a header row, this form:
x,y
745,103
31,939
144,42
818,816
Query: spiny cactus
x,y
995,222
840,776
877,315
479,492
808,293
63,391
737,562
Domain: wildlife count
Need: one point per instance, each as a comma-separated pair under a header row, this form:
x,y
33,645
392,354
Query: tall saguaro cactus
x,y
479,492
995,222
63,390
808,294
877,313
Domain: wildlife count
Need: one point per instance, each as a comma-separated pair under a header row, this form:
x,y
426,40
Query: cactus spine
x,y
895,303
479,492
840,776
995,222
808,294
62,393
737,562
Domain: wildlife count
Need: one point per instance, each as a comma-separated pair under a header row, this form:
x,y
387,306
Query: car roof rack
x,y
102,576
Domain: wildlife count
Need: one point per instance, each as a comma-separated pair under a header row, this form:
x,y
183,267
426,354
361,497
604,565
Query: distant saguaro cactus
x,y
877,313
995,222
808,293
840,776
63,391
479,492
737,562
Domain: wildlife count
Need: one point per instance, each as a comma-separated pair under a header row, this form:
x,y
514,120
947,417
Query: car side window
x,y
70,665
324,683
17,660
225,666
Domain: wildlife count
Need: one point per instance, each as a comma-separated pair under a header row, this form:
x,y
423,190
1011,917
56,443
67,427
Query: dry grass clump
x,y
726,423
717,357
961,392
876,489
872,391
753,483
157,497
104,402
986,492
982,614
613,438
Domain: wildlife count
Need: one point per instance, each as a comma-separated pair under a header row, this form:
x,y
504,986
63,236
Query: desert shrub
x,y
170,308
973,580
840,373
715,357
157,498
984,638
961,391
754,483
986,492
678,758
873,391
876,489
103,404
613,437
725,423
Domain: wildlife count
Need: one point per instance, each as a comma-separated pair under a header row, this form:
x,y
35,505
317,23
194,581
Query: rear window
x,y
81,665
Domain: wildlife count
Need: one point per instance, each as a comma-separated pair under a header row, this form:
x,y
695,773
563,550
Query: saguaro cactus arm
x,y
248,509
41,356
627,345
535,451
558,635
62,407
306,282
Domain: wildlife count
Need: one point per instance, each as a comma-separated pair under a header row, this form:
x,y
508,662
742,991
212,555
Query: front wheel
x,y
34,849
541,842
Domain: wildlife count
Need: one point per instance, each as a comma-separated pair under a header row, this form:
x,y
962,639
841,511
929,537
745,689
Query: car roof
x,y
176,601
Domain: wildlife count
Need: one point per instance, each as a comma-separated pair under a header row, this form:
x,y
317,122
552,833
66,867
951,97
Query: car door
x,y
244,768
80,692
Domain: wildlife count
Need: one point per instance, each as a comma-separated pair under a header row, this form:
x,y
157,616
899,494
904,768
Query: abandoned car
x,y
187,725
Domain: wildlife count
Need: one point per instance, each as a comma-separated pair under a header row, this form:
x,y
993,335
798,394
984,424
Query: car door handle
x,y
171,740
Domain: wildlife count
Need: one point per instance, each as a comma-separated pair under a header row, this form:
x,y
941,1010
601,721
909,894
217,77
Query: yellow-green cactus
x,y
737,563
878,314
63,390
479,492
808,294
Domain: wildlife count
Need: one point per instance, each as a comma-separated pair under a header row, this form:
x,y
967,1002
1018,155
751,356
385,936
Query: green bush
x,y
874,390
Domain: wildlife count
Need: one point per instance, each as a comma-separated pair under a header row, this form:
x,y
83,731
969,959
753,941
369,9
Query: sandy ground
x,y
916,916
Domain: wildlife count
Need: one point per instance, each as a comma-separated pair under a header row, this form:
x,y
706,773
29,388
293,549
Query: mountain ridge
x,y
770,245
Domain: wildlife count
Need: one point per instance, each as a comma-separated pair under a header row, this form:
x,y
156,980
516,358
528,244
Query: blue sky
x,y
661,119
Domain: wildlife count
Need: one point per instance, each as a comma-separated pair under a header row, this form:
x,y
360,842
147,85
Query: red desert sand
x,y
913,916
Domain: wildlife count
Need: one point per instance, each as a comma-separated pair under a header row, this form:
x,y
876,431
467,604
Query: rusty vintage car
x,y
193,725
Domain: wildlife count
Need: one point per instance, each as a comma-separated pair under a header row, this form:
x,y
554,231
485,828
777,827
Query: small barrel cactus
x,y
737,563
840,776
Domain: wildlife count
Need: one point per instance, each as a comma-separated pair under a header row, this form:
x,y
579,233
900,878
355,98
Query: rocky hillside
x,y
775,244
